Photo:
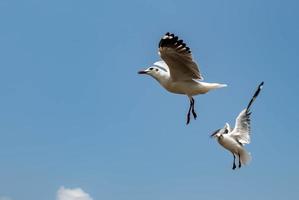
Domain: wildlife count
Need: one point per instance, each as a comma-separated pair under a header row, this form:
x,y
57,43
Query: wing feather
x,y
241,132
179,59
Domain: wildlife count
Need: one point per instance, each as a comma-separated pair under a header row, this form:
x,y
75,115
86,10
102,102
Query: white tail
x,y
211,86
245,156
217,85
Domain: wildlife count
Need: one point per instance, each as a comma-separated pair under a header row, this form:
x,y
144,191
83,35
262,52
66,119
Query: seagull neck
x,y
163,79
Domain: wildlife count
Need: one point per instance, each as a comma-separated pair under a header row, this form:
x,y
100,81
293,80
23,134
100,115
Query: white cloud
x,y
72,194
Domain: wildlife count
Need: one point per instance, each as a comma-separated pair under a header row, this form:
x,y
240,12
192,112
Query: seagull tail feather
x,y
220,85
212,86
245,157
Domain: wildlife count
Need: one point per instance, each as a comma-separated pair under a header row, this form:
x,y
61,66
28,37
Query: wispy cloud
x,y
71,194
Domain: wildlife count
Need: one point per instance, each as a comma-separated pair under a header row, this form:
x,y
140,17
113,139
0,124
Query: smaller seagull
x,y
177,72
234,140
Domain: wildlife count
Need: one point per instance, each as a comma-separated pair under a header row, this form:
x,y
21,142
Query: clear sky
x,y
74,113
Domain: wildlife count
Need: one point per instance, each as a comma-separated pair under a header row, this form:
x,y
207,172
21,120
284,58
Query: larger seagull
x,y
234,140
177,72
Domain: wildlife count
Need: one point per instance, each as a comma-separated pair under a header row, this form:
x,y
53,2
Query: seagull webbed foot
x,y
234,166
194,114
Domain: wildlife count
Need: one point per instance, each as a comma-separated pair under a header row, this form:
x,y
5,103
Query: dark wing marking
x,y
178,57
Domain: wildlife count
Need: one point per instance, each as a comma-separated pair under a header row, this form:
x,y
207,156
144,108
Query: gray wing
x,y
241,131
178,57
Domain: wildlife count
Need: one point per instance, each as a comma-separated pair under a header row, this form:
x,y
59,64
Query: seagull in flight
x,y
177,72
234,140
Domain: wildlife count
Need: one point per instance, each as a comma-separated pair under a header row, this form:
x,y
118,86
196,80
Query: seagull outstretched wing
x,y
241,131
178,57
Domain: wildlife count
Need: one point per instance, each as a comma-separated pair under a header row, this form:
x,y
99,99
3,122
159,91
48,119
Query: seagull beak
x,y
142,72
215,132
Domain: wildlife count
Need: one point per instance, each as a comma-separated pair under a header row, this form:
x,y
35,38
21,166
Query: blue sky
x,y
74,112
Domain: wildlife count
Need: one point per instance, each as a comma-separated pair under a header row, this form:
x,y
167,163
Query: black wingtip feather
x,y
173,41
258,90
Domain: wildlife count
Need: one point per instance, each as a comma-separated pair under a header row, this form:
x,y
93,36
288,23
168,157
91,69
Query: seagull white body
x,y
177,72
234,140
188,87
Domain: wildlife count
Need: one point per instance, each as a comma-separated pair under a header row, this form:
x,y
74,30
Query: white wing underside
x,y
241,132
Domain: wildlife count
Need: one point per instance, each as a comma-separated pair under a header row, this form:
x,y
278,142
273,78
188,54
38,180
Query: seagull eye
x,y
226,131
157,69
151,68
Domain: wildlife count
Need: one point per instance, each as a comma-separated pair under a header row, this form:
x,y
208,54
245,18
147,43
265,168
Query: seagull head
x,y
219,132
216,134
154,71
148,71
